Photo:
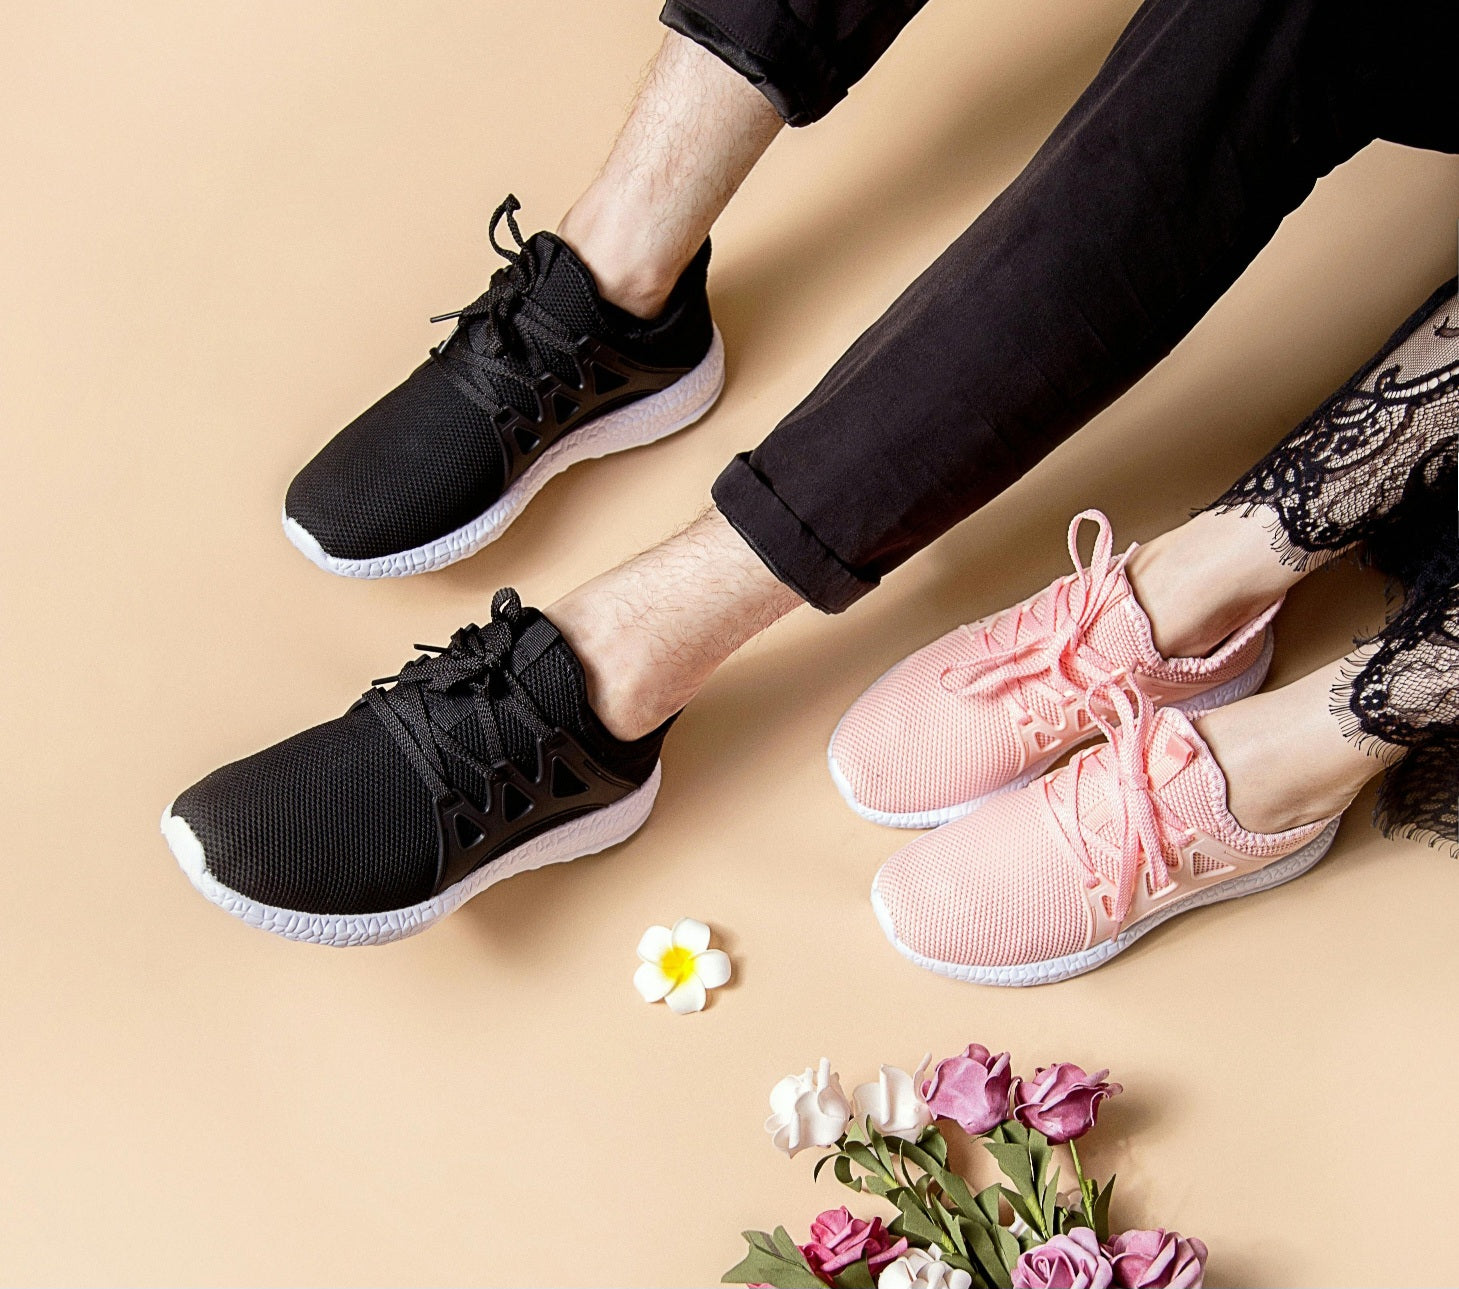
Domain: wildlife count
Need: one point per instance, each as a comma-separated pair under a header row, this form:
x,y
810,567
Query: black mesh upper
x,y
420,463
425,459
333,820
337,820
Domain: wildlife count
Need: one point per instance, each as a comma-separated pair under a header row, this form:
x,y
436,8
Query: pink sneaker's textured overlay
x,y
969,713
1070,860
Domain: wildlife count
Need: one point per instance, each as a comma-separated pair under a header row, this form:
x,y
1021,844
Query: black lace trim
x,y
1374,469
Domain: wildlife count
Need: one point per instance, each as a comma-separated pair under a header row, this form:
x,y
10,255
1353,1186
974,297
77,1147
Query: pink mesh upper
x,y
952,723
1007,885
994,888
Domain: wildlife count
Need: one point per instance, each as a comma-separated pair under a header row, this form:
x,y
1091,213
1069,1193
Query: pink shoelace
x,y
1046,657
1127,770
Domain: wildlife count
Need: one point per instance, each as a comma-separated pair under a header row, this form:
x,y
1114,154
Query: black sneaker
x,y
482,760
539,373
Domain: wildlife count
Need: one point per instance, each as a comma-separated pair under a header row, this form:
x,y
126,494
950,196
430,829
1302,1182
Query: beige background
x,y
223,229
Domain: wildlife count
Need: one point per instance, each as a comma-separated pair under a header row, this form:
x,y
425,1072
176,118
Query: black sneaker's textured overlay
x,y
473,749
536,356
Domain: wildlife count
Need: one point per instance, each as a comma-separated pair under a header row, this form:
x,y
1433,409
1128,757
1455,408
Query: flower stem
x,y
1085,1189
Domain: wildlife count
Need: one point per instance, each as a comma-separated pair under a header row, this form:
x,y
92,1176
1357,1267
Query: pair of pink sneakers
x,y
1030,877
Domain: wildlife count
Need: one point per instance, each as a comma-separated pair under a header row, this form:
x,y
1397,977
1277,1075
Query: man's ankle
x,y
626,271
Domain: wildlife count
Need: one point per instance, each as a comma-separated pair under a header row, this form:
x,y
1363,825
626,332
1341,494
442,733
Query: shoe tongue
x,y
548,669
1121,633
563,285
1183,774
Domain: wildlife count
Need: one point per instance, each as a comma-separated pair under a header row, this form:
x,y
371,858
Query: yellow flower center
x,y
677,964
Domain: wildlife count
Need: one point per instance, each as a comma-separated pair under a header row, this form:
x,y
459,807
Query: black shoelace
x,y
474,660
505,340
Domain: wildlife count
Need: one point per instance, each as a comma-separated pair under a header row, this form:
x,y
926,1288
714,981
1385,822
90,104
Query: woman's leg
x,y
1374,465
1369,466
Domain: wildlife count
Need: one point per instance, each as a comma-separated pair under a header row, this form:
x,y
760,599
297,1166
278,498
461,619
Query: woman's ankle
x,y
1207,578
1286,760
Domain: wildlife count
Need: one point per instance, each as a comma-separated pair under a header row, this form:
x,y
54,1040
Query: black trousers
x,y
1209,122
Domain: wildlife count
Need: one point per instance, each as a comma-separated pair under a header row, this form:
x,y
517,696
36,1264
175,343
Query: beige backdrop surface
x,y
222,231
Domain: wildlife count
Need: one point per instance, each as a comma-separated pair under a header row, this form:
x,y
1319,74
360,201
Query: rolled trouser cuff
x,y
767,48
782,540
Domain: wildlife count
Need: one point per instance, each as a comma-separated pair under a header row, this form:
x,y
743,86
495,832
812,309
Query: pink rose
x,y
971,1089
1062,1101
1157,1260
838,1240
1073,1261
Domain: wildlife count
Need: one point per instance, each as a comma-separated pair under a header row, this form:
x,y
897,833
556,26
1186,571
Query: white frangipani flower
x,y
894,1103
678,965
808,1110
922,1269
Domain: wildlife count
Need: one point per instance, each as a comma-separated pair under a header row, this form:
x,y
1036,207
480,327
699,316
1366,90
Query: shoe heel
x,y
1238,687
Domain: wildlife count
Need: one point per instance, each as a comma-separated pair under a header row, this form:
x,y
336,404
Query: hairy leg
x,y
693,134
1286,758
651,631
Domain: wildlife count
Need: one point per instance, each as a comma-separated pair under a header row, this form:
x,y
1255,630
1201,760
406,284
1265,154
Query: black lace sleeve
x,y
1375,468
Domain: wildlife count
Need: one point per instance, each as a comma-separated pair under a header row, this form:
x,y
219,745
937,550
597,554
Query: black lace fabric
x,y
1374,469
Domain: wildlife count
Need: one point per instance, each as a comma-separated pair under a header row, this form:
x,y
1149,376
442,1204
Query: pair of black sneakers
x,y
483,757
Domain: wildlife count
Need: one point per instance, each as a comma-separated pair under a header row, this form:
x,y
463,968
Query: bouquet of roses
x,y
1019,1232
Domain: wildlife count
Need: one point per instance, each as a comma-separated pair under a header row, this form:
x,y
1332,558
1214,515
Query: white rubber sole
x,y
586,835
1052,970
1248,682
655,417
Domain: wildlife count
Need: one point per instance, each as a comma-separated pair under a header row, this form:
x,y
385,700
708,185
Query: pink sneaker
x,y
991,705
1055,879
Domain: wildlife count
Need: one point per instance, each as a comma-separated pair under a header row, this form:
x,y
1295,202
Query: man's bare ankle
x,y
635,278
652,631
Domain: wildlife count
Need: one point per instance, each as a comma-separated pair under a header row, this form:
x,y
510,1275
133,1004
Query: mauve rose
x,y
971,1089
1062,1101
1073,1261
1157,1259
838,1240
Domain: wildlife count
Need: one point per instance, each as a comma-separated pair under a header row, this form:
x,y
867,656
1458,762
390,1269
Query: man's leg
x,y
574,327
1205,127
651,631
694,133
730,73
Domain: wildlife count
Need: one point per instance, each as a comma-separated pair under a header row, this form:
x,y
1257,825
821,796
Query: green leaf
x,y
863,1156
1011,1152
1050,1201
1101,1210
842,1169
983,1246
949,1224
916,1224
879,1146
856,1276
1070,1219
1025,1157
772,1260
1009,1248
1020,1206
820,1164
934,1143
986,1203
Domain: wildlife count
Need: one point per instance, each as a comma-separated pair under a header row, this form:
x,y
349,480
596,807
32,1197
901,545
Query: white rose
x,y
807,1110
894,1103
922,1269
